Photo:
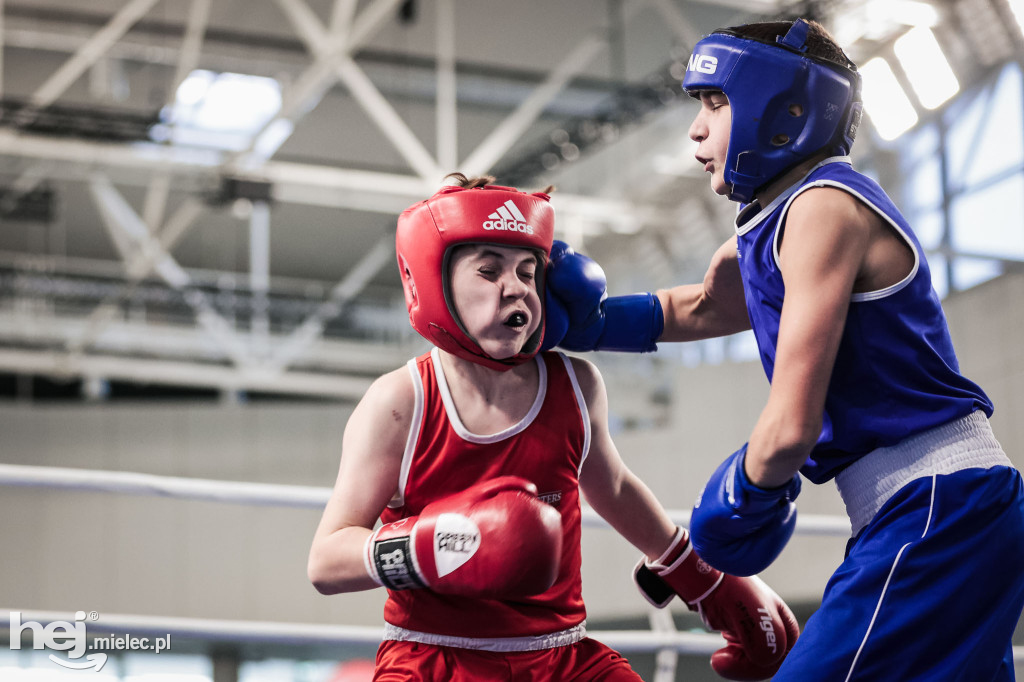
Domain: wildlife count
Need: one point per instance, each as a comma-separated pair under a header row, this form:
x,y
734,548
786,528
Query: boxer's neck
x,y
488,400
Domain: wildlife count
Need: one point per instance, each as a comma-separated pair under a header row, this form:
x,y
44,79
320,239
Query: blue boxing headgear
x,y
786,105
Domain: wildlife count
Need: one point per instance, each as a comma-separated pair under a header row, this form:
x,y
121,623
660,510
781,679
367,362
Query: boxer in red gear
x,y
429,445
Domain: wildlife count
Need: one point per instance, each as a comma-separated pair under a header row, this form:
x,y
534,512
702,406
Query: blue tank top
x,y
896,373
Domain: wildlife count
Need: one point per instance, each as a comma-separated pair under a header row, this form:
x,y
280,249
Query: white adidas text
x,y
508,217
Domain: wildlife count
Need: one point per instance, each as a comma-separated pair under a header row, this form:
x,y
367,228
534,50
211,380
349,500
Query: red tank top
x,y
441,458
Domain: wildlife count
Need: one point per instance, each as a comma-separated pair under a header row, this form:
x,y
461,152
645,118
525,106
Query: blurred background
x,y
197,274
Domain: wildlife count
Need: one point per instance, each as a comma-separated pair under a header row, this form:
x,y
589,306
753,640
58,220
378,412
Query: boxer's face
x,y
495,295
710,129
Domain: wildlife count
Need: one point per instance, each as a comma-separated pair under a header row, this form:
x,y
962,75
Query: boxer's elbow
x,y
320,578
325,587
327,575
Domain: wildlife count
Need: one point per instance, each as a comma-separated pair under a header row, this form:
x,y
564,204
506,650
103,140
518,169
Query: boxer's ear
x,y
407,282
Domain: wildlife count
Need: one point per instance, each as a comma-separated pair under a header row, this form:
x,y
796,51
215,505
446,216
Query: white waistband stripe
x,y
535,643
868,483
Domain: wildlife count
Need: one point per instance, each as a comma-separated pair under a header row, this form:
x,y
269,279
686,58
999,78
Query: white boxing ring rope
x,y
276,495
636,641
312,497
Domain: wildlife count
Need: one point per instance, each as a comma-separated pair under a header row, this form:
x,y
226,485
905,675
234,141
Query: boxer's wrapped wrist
x,y
753,499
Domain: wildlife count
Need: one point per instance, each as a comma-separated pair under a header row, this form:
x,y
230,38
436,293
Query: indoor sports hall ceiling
x,y
148,238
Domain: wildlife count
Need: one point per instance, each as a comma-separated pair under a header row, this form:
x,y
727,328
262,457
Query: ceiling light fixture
x,y
886,103
926,66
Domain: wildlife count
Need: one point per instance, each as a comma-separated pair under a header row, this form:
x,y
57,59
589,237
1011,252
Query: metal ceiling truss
x,y
51,140
265,334
155,321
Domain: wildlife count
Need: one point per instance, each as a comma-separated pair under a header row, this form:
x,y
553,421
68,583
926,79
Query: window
x,y
984,146
219,110
987,221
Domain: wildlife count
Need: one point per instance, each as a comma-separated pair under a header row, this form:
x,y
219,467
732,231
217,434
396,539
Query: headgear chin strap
x,y
786,105
428,231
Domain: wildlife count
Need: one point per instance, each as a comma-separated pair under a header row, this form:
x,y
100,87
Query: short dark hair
x,y
820,43
469,183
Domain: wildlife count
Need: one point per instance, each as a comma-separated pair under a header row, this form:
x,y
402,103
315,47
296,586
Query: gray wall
x,y
153,556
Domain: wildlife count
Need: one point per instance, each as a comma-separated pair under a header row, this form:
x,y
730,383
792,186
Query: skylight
x,y
926,67
885,101
219,110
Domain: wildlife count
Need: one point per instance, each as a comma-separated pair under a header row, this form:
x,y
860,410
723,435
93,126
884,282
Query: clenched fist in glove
x,y
739,527
758,627
579,315
494,540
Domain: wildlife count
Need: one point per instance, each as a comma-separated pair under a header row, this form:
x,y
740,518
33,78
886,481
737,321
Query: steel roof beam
x,y
506,133
88,53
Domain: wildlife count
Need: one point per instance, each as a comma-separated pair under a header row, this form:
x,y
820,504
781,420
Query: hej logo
x,y
59,635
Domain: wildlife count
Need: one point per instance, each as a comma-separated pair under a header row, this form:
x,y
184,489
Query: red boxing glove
x,y
494,540
757,625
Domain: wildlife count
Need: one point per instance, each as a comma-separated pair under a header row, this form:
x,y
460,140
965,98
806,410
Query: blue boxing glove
x,y
579,316
738,527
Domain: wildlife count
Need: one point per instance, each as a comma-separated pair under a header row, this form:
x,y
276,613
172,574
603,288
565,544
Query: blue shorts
x,y
931,590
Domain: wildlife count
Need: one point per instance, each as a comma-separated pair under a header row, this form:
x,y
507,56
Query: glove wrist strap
x,y
368,563
391,562
694,604
688,575
752,498
632,323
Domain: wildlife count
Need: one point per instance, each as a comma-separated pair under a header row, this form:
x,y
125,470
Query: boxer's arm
x,y
371,457
615,492
746,513
823,248
714,307
580,316
743,609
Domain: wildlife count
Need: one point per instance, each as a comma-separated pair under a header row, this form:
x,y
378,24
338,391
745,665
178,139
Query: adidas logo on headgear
x,y
508,217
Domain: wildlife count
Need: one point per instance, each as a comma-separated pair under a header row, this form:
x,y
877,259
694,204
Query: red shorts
x,y
587,659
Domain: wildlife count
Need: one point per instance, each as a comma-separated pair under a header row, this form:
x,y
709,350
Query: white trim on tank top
x,y
456,421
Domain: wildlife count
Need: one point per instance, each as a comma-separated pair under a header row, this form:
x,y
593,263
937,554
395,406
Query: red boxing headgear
x,y
427,231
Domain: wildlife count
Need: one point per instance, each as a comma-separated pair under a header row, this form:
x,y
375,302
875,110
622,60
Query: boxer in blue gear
x,y
866,389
